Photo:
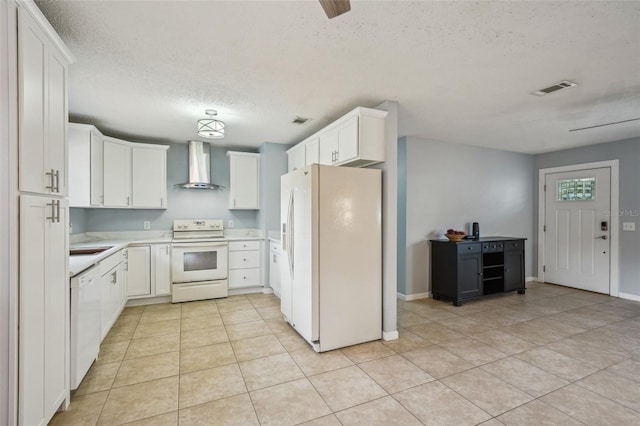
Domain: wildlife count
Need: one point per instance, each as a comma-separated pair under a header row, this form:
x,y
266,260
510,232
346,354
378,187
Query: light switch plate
x,y
628,226
230,224
147,225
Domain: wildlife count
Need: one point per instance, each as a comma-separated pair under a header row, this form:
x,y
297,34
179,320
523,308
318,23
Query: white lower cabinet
x,y
113,285
274,266
244,264
149,271
44,308
139,274
162,269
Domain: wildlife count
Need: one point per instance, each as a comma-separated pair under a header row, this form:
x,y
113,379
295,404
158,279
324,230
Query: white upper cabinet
x,y
117,173
312,151
149,177
42,92
85,171
244,180
356,139
108,172
296,157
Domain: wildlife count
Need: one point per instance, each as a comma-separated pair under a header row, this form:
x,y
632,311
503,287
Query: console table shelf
x,y
468,269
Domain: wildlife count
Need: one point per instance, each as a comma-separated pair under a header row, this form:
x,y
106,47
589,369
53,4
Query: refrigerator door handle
x,y
290,234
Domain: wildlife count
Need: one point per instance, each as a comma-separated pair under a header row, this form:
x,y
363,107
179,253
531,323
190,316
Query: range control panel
x,y
198,225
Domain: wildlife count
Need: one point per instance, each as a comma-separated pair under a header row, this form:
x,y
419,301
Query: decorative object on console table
x,y
468,269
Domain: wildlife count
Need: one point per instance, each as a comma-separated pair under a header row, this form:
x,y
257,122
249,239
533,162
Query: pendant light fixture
x,y
210,127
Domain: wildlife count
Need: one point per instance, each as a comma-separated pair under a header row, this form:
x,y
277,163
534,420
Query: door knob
x,y
601,237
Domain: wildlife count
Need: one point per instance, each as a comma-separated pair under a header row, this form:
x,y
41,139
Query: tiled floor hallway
x,y
552,356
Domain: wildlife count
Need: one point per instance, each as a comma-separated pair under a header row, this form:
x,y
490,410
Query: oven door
x,y
192,262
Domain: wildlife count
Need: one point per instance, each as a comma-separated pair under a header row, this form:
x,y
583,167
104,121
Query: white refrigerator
x,y
331,286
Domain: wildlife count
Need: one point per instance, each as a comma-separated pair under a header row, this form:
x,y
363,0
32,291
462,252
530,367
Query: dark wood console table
x,y
473,268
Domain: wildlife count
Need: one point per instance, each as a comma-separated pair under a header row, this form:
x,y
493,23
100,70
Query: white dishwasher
x,y
85,323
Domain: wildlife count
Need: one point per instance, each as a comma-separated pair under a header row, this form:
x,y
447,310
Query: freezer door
x,y
299,291
286,195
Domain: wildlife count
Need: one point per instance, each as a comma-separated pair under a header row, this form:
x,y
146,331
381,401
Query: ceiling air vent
x,y
300,120
564,84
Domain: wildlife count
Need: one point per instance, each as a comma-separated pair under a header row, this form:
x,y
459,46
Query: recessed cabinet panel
x,y
296,158
96,171
32,54
312,152
348,140
244,181
162,269
117,173
149,189
329,147
469,275
57,152
139,274
513,269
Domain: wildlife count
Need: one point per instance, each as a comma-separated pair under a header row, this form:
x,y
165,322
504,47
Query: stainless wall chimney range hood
x,y
199,165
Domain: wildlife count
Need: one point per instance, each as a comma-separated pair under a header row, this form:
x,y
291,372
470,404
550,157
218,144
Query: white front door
x,y
577,222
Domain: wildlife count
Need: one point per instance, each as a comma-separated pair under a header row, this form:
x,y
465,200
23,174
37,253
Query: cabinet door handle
x,y
52,218
52,186
161,201
128,200
57,210
480,273
167,249
57,177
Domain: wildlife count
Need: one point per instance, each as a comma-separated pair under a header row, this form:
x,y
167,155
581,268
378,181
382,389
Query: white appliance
x,y
331,283
198,260
85,323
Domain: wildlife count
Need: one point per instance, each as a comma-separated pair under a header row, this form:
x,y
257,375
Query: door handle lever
x,y
602,237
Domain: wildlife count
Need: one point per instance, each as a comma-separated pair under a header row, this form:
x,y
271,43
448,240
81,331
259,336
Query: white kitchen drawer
x,y
244,259
244,245
110,262
244,277
205,290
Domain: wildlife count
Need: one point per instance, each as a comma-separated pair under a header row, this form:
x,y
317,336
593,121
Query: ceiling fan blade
x,y
334,8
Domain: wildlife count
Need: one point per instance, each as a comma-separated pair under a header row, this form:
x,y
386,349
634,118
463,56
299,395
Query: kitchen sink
x,y
90,251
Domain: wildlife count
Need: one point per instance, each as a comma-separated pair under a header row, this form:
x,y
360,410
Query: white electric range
x,y
198,260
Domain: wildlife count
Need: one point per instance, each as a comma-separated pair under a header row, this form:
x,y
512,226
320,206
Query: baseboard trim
x,y
410,297
390,335
629,296
245,290
148,301
529,279
267,290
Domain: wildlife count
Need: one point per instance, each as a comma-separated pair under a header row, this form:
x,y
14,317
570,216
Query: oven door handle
x,y
196,244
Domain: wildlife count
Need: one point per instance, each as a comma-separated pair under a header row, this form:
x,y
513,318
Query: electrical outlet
x,y
147,225
230,224
628,226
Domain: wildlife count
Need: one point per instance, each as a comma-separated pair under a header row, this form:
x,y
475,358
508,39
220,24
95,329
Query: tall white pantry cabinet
x,y
43,287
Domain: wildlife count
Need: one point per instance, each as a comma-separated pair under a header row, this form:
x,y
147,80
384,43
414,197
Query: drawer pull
x,y
469,248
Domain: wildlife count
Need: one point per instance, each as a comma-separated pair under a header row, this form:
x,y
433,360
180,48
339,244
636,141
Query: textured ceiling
x,y
461,71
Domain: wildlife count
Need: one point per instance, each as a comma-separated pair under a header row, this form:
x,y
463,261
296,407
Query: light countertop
x,y
120,240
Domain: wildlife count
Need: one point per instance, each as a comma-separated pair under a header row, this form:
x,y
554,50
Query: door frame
x,y
614,261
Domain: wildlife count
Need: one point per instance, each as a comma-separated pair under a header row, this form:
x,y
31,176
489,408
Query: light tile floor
x,y
554,356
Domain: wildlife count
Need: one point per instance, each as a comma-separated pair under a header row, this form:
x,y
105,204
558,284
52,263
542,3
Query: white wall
x,y
389,222
451,185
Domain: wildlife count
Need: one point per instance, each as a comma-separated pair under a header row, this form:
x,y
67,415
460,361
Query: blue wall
x,y
78,220
273,164
182,203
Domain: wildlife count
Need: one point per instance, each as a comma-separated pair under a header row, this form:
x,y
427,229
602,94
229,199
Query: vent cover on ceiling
x,y
564,84
300,120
